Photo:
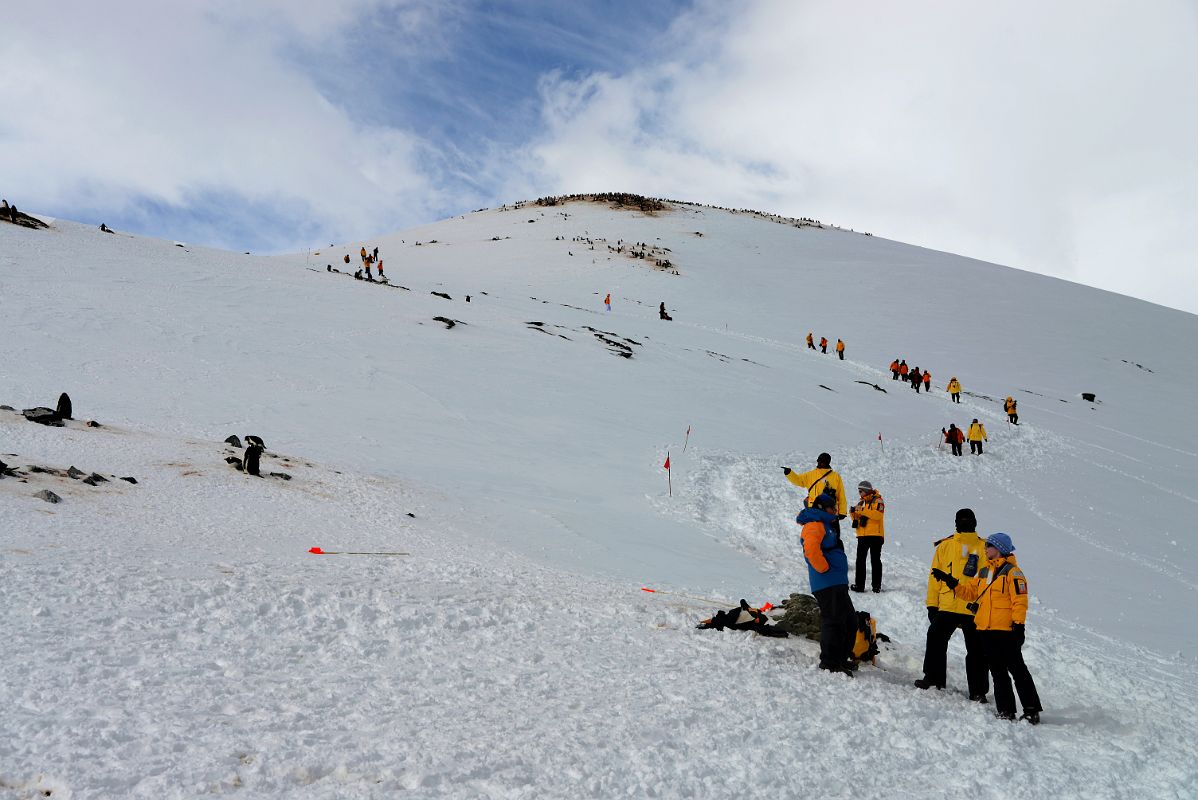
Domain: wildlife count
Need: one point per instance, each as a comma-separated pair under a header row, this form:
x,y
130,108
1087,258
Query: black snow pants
x,y
837,626
1004,659
975,447
870,546
935,656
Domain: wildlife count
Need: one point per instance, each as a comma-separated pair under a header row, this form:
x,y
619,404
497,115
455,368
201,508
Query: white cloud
x,y
1056,138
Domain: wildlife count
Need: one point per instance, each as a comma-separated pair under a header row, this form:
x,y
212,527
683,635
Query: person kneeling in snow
x,y
828,571
998,598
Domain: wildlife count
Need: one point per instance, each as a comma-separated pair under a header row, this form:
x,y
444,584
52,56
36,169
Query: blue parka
x,y
827,564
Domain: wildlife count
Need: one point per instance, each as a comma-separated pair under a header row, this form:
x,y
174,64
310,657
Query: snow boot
x,y
1032,717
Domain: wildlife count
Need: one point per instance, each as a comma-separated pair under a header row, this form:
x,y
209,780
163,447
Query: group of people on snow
x,y
823,344
369,259
900,371
974,585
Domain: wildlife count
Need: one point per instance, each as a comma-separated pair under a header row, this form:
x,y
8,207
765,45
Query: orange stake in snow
x,y
317,551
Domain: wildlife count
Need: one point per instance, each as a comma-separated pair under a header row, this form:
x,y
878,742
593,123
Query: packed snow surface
x,y
174,637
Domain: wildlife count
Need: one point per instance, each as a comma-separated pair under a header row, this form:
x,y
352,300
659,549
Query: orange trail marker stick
x,y
317,551
713,601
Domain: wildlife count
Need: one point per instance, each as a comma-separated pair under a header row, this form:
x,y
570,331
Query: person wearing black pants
x,y
870,523
828,572
935,658
871,547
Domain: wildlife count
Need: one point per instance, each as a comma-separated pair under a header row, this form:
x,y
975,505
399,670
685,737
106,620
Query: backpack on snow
x,y
865,648
743,618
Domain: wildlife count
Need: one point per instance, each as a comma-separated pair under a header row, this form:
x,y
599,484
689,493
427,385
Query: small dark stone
x,y
98,478
47,470
91,481
442,294
130,480
7,408
43,416
410,514
449,323
233,440
48,496
282,475
1089,396
75,474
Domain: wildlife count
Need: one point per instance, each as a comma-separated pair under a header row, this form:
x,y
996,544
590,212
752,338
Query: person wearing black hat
x,y
828,571
998,596
822,479
869,522
959,556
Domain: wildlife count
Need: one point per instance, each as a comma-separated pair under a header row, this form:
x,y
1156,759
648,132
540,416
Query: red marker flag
x,y
667,464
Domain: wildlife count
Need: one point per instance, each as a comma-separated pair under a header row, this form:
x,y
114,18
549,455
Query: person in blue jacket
x,y
828,570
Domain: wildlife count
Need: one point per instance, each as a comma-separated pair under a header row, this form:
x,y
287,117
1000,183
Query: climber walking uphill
x,y
954,389
955,438
998,595
828,571
810,340
894,370
977,435
868,520
823,344
1011,406
840,348
821,480
960,556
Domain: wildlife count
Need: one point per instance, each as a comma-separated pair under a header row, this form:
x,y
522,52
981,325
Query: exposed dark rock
x,y
449,323
282,475
43,416
1089,396
410,514
7,408
48,496
441,294
90,480
876,386
233,440
801,617
829,388
130,480
47,470
75,474
98,478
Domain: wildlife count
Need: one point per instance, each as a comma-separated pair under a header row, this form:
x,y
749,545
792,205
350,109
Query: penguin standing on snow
x,y
254,446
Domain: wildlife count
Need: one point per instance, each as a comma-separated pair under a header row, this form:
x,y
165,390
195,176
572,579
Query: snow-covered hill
x,y
175,638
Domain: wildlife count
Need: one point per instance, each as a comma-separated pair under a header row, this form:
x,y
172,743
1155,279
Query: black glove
x,y
1017,633
786,470
855,523
841,516
945,578
932,612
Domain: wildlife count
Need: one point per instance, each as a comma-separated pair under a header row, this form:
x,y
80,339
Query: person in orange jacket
x,y
810,341
894,370
903,369
927,381
955,438
607,301
1011,406
840,349
998,597
823,344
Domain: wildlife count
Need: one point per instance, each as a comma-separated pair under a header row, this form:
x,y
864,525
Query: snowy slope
x,y
175,638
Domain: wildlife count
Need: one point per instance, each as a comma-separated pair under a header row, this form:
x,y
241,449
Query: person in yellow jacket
x,y
1011,406
954,389
869,521
819,480
810,341
960,556
998,595
840,348
977,435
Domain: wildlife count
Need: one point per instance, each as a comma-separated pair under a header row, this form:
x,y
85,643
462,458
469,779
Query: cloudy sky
x,y
1057,137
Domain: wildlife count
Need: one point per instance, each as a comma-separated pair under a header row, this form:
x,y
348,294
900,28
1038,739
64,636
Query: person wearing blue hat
x,y
828,571
998,597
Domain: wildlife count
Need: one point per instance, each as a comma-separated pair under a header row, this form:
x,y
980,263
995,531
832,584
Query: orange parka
x,y
839,346
1000,591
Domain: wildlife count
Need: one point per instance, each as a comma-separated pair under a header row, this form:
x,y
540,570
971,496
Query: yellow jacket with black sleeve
x,y
961,555
869,514
815,481
1000,590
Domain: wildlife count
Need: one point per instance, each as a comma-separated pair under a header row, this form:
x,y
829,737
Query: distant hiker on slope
x,y
381,269
916,379
868,520
998,595
1011,407
954,389
927,381
347,258
376,254
810,341
955,438
959,556
823,344
607,301
828,571
894,370
903,369
977,435
821,480
840,349
661,312
362,252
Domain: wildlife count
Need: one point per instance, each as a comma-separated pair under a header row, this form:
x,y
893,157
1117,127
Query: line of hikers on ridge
x,y
974,584
823,344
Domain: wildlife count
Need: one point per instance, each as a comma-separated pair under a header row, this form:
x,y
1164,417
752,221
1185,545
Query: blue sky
x,y
1055,138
